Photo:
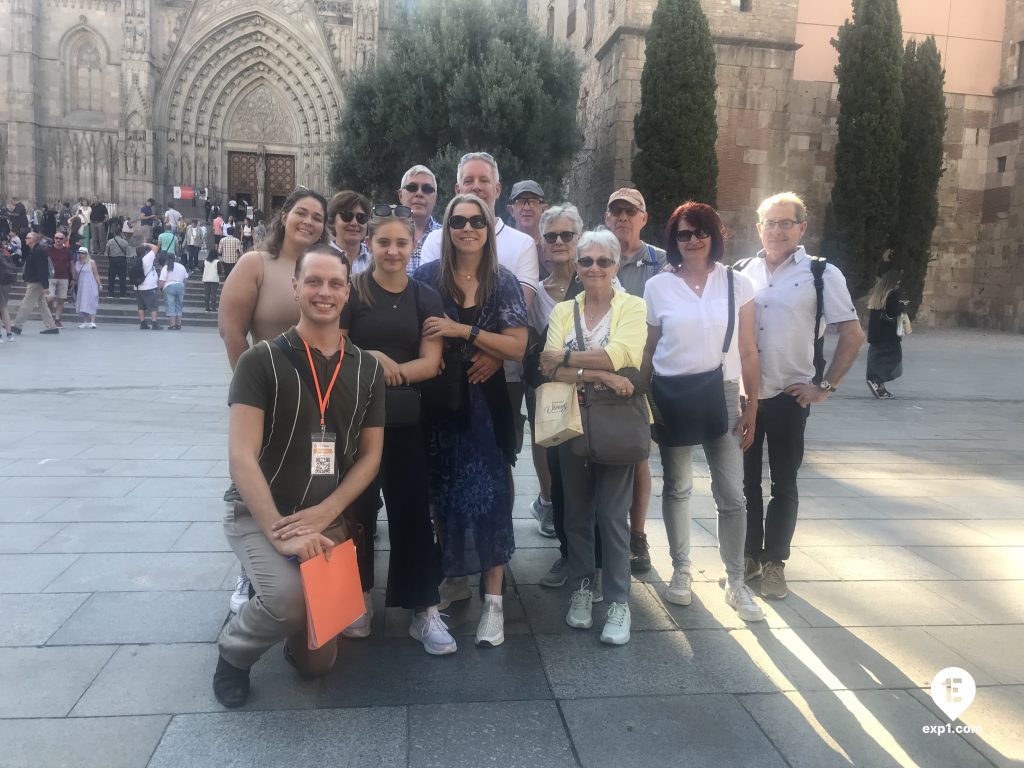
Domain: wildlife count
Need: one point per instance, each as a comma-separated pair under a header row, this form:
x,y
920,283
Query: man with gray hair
x,y
797,296
419,193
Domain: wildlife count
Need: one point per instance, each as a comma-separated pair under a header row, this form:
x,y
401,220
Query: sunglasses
x,y
588,261
551,237
476,222
412,188
398,211
686,235
347,216
629,210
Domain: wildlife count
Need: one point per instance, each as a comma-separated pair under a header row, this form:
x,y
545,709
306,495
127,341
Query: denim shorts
x,y
174,298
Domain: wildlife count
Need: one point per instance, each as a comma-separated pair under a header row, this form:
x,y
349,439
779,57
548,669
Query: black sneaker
x,y
50,331
16,330
143,326
58,323
639,553
231,495
156,327
230,684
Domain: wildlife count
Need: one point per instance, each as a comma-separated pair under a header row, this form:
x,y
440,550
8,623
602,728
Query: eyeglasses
x,y
476,222
412,188
603,261
686,235
551,237
618,210
528,202
347,216
784,224
398,211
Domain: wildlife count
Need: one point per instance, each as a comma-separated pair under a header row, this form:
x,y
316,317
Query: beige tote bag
x,y
558,414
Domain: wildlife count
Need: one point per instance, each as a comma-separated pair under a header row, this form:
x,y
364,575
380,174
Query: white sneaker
x,y
616,626
92,325
452,590
360,628
742,599
241,594
83,325
429,628
581,607
595,588
491,629
678,591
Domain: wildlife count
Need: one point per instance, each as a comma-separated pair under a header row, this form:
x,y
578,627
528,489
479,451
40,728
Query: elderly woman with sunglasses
x,y
614,333
701,342
347,216
471,442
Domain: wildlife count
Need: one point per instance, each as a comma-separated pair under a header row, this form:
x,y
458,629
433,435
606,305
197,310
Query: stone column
x,y
22,140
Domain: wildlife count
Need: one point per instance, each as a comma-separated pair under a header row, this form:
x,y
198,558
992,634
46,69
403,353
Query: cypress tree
x,y
675,128
924,126
862,212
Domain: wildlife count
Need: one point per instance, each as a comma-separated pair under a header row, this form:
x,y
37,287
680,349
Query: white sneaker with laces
x,y
360,628
429,628
240,596
452,590
678,591
581,607
742,599
616,626
491,629
92,325
83,325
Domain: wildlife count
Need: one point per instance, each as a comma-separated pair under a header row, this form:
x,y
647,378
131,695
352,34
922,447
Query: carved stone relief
x,y
260,117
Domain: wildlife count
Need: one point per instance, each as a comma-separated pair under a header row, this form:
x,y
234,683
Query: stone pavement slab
x,y
83,742
32,573
47,682
118,572
32,619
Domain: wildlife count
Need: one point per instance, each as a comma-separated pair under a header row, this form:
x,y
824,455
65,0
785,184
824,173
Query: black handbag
x,y
616,430
531,359
692,407
401,406
444,394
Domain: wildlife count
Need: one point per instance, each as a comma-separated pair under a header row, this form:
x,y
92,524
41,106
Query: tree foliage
x,y
924,126
862,211
675,127
460,76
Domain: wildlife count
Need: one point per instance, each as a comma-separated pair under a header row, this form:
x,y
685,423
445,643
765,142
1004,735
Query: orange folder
x,y
333,592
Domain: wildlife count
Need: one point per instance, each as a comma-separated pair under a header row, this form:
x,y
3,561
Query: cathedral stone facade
x,y
127,99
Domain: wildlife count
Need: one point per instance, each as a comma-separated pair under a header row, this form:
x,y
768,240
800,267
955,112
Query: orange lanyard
x,y
323,399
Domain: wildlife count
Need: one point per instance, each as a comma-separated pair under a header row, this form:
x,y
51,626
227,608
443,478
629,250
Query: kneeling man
x,y
305,437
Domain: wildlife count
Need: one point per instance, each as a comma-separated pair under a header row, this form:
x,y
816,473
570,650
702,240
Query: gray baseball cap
x,y
522,187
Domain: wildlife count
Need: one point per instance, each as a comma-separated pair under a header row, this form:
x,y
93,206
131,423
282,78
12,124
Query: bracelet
x,y
565,358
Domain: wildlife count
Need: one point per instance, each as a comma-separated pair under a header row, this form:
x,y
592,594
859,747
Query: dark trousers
x,y
211,295
227,268
193,256
117,269
414,570
780,421
558,508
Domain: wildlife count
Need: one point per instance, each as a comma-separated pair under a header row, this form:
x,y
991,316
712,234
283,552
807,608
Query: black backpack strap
x,y
742,264
581,342
304,373
818,264
731,328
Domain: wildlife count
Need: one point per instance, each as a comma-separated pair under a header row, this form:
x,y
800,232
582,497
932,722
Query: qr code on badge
x,y
323,465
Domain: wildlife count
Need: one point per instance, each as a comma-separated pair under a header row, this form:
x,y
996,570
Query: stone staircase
x,y
124,311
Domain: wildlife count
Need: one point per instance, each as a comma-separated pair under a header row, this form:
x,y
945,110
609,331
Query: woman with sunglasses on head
x,y
472,446
347,216
614,332
701,342
384,316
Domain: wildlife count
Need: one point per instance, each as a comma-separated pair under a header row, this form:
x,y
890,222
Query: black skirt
x,y
885,361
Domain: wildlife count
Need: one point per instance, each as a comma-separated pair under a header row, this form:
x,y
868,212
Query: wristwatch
x,y
825,385
473,333
565,358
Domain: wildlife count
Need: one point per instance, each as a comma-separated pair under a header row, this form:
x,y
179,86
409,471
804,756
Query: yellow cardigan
x,y
628,334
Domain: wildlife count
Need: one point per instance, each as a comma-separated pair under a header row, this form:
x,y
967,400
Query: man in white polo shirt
x,y
787,304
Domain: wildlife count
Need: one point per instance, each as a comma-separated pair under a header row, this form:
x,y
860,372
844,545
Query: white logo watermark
x,y
953,691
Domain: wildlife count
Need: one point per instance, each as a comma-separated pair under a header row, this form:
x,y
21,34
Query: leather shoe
x,y
230,684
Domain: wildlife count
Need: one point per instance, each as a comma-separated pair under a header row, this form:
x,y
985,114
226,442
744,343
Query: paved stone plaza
x,y
114,579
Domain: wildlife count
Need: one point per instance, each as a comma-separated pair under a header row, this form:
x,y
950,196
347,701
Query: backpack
x,y
136,272
8,272
818,264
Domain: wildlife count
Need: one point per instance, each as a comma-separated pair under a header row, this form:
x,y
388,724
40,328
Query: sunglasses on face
x,y
686,235
551,237
476,222
398,211
528,202
347,217
629,210
588,261
412,188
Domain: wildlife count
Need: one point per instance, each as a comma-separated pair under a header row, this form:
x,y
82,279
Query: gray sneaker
x,y
557,575
581,607
773,580
751,569
544,515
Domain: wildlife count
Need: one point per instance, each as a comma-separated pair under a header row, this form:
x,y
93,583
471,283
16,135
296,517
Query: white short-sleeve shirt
x,y
786,304
693,327
177,274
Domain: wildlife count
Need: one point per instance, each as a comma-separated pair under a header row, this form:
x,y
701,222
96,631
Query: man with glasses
x,y
418,192
525,206
626,216
786,302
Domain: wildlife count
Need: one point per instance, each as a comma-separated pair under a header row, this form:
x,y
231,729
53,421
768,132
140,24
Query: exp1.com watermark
x,y
953,691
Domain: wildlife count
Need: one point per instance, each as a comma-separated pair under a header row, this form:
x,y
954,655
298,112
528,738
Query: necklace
x,y
559,288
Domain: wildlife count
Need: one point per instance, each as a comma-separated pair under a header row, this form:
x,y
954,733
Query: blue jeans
x,y
174,298
725,460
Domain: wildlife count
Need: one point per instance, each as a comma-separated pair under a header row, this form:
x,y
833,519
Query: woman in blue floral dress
x,y
471,442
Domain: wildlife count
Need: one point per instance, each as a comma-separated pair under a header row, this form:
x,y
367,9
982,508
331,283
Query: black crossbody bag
x,y
692,407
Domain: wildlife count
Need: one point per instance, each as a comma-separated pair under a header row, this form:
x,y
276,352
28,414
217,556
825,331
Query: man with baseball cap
x,y
525,206
626,217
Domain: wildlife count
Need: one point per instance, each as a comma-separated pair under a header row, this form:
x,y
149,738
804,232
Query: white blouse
x,y
693,327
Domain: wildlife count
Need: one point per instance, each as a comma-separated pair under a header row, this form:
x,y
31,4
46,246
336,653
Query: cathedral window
x,y
88,79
